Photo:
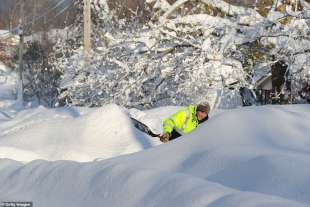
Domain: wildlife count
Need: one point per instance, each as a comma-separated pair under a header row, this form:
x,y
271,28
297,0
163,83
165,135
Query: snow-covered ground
x,y
256,156
71,134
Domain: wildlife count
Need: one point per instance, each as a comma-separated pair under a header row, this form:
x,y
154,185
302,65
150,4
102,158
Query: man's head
x,y
202,111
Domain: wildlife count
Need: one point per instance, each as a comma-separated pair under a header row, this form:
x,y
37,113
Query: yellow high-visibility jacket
x,y
183,121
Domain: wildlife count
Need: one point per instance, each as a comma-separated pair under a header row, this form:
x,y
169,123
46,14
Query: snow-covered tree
x,y
40,78
190,51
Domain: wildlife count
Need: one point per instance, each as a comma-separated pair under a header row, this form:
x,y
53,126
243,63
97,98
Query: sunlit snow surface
x,y
256,156
71,134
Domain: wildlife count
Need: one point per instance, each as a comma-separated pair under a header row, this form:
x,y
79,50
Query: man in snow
x,y
184,121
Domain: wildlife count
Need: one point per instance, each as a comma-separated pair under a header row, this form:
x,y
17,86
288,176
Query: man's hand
x,y
165,137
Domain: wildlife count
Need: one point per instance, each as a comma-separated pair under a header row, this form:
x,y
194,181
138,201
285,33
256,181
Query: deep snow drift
x,y
71,134
257,156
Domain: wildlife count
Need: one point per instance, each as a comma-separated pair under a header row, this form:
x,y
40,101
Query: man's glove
x,y
165,137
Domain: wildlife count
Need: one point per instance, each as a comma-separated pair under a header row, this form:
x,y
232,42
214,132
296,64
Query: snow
x,y
247,15
181,53
160,4
255,156
8,80
69,134
73,156
4,33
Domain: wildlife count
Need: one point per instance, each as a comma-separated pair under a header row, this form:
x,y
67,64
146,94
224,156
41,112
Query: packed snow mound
x,y
256,156
66,134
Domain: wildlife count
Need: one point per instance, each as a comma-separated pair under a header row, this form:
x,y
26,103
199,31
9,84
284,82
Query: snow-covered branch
x,y
172,60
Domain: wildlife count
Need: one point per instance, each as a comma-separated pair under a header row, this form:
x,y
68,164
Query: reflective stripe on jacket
x,y
183,121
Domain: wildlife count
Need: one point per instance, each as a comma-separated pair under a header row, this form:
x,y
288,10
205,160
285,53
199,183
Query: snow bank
x,y
257,156
66,134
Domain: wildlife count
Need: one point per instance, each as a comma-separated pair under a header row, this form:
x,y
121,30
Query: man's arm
x,y
177,120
